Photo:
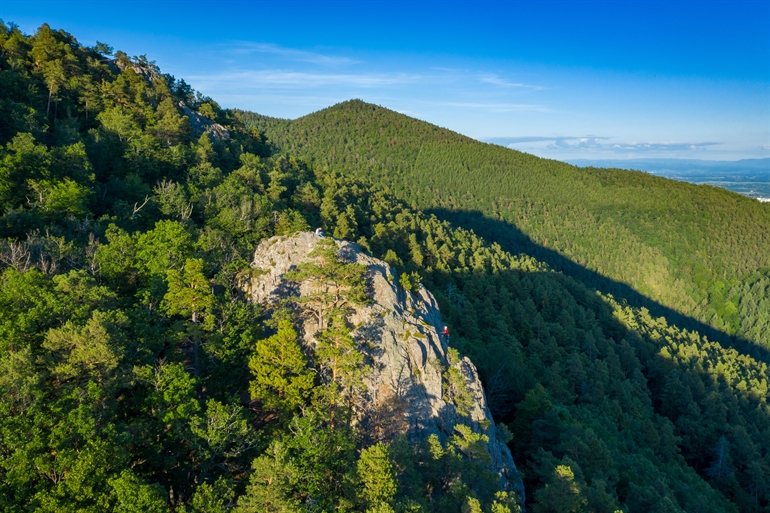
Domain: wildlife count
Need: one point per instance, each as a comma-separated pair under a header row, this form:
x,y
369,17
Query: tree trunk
x,y
196,343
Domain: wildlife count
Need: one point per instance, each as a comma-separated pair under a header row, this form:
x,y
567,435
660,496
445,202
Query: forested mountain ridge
x,y
136,376
700,250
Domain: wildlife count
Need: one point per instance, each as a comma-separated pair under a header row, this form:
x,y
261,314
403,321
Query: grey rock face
x,y
148,73
406,390
200,124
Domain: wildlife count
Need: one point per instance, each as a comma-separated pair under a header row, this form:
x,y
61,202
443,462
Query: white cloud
x,y
496,107
300,79
600,144
292,54
501,82
508,141
636,147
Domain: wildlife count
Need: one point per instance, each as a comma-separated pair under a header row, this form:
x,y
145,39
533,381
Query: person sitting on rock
x,y
319,232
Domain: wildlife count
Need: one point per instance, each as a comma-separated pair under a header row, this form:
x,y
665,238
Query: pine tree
x,y
472,445
271,483
53,59
282,379
377,476
562,494
189,292
337,352
336,285
720,468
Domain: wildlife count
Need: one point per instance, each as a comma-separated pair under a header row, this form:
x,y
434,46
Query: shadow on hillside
x,y
514,241
686,390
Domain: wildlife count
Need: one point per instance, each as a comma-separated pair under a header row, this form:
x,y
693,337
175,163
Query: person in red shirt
x,y
446,334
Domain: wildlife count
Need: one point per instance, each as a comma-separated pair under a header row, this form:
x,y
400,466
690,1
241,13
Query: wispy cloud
x,y
303,79
258,100
497,107
292,54
633,147
501,82
290,78
506,141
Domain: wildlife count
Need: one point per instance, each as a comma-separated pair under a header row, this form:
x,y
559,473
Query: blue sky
x,y
565,80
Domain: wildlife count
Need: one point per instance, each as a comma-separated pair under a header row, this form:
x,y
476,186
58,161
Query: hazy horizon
x,y
750,177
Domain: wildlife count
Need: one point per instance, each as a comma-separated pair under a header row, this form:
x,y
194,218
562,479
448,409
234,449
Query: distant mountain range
x,y
684,166
750,177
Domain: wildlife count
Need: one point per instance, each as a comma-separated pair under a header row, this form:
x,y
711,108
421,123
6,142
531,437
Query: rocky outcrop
x,y
200,124
148,73
407,386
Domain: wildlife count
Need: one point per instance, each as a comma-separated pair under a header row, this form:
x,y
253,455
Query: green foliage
x,y
88,353
282,379
163,248
472,445
133,496
216,498
530,330
271,483
561,493
189,292
588,299
455,384
338,354
64,197
377,477
666,239
336,285
222,435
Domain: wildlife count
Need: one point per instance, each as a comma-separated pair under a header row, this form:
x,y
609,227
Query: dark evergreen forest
x,y
620,322
701,251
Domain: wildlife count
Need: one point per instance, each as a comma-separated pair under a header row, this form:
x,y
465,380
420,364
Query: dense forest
x,y
702,251
619,322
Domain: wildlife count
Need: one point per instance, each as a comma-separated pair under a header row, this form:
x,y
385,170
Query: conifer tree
x,y
720,468
270,485
562,494
336,285
337,352
53,59
282,379
377,476
189,292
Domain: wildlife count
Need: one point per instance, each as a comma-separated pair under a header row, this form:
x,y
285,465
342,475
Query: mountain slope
x,y
135,374
695,249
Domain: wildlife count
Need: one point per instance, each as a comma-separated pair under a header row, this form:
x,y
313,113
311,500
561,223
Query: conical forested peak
x,y
368,116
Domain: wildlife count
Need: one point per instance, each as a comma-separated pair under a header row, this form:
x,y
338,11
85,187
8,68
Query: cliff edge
x,y
415,385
